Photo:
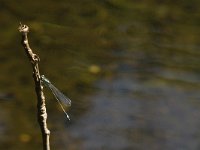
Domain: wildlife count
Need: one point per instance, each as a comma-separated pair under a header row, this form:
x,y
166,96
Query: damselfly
x,y
60,97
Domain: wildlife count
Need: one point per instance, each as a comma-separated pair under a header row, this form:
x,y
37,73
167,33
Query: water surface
x,y
130,68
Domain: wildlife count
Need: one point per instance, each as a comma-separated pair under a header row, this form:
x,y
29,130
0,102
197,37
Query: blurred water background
x,y
131,69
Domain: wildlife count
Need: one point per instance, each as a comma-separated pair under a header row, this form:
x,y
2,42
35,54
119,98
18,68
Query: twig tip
x,y
23,28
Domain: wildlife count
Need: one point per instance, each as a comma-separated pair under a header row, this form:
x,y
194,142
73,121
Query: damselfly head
x,y
44,80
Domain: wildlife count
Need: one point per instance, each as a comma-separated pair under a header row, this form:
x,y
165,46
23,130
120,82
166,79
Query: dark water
x,y
131,69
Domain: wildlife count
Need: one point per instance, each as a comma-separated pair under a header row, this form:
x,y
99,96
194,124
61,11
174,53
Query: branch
x,y
42,114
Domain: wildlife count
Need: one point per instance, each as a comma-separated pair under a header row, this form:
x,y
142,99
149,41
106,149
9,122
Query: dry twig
x,y
42,114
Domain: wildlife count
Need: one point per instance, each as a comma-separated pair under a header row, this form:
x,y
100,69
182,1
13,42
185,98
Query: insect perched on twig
x,y
60,97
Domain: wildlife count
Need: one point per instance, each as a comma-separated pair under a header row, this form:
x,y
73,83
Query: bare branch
x,y
42,114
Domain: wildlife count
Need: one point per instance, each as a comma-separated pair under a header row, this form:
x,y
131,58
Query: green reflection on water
x,y
72,36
